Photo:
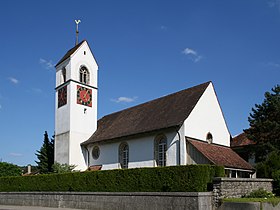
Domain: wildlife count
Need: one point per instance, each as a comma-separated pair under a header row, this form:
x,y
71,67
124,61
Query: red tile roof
x,y
241,140
162,113
220,155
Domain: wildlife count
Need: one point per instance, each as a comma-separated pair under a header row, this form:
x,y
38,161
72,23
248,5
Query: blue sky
x,y
145,49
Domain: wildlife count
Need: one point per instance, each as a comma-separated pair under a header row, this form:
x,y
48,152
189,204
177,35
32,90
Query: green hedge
x,y
191,178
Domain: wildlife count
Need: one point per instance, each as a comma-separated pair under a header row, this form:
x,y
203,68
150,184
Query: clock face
x,y
84,96
62,96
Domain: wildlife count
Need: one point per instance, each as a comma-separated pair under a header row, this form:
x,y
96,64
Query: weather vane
x,y
77,31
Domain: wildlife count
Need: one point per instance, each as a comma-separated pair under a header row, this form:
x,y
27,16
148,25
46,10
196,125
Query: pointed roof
x,y
70,52
162,113
220,155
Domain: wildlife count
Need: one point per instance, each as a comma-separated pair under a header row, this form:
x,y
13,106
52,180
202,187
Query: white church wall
x,y
84,57
172,157
207,117
78,120
83,118
108,156
76,156
62,148
58,76
62,116
141,152
183,151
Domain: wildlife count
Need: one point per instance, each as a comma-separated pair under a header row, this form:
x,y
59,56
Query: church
x,y
186,127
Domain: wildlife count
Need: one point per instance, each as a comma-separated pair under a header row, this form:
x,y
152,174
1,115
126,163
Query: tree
x,y
265,125
46,155
8,169
63,168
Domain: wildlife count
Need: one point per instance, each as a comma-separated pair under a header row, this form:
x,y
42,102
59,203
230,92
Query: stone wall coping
x,y
226,179
165,194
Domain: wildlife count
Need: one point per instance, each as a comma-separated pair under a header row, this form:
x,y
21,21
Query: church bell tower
x,y
75,104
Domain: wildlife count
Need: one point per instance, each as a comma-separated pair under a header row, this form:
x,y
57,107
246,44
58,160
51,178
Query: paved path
x,y
3,207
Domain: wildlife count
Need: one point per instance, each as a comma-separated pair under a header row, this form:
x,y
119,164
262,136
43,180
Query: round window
x,y
95,152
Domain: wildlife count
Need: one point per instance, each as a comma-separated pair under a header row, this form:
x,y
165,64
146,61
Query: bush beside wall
x,y
190,178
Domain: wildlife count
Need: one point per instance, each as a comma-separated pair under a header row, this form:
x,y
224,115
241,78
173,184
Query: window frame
x,y
96,149
124,155
160,150
84,75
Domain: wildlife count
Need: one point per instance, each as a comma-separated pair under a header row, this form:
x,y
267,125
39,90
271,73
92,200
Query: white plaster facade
x,y
141,152
207,117
75,122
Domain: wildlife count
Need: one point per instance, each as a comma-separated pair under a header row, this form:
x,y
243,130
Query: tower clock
x,y
84,96
62,96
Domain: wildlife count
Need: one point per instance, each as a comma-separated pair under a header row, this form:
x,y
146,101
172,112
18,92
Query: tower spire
x,y
77,31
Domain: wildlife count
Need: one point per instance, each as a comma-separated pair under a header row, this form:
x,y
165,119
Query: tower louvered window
x,y
84,75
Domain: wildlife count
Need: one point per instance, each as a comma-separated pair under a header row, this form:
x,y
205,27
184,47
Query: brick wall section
x,y
97,200
237,187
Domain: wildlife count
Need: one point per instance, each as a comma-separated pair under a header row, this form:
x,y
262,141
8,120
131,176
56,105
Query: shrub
x,y
62,168
276,183
8,169
260,193
191,178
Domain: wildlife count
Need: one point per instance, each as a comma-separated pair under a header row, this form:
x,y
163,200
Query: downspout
x,y
179,150
87,156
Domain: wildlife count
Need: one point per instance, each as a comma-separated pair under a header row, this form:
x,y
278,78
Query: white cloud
x,y
192,54
37,90
163,27
15,154
124,99
46,64
273,64
13,80
189,51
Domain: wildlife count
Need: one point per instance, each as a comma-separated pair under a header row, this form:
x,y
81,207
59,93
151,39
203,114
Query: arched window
x,y
63,75
160,150
84,75
209,138
124,155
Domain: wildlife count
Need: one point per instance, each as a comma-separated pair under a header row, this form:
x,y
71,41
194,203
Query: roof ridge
x,y
147,102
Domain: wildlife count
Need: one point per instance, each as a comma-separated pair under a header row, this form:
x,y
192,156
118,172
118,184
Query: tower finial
x,y
77,31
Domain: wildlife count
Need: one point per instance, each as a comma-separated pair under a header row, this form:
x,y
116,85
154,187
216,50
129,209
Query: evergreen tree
x,y
46,155
265,125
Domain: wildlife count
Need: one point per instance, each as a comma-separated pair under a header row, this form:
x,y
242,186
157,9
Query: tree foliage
x,y
265,124
62,168
46,155
8,169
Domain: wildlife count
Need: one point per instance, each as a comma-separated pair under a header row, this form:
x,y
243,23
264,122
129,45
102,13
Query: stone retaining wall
x,y
237,187
90,200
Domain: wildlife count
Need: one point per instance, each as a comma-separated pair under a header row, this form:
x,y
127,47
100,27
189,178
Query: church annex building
x,y
186,127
